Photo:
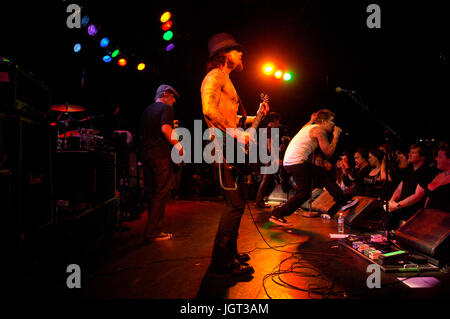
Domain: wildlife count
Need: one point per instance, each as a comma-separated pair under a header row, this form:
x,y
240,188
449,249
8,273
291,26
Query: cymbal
x,y
70,133
67,108
89,131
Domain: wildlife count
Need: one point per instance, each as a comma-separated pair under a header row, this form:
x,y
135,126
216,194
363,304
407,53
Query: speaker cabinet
x,y
427,231
11,235
27,150
21,91
85,176
368,214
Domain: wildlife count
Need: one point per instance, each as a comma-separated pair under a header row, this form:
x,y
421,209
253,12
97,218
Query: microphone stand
x,y
387,132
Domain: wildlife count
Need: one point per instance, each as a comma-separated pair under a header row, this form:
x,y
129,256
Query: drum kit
x,y
72,134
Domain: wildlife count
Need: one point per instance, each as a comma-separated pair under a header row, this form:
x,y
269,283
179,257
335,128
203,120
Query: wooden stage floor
x,y
302,262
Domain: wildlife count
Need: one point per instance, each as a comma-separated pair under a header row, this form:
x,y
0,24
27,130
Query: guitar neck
x,y
257,120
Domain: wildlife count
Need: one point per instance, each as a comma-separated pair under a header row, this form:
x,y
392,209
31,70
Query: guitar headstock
x,y
264,97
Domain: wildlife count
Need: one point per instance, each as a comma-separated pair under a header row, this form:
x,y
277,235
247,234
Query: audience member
x,y
343,166
268,180
375,183
357,174
438,191
406,200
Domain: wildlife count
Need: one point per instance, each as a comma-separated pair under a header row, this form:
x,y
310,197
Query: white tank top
x,y
300,148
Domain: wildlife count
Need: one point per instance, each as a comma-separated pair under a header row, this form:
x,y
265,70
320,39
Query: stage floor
x,y
302,262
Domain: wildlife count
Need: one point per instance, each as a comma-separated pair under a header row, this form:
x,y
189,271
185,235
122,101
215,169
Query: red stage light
x,y
166,26
122,62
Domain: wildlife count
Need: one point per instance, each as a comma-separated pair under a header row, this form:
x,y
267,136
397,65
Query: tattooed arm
x,y
211,91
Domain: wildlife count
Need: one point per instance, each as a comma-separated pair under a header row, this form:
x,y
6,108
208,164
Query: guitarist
x,y
220,108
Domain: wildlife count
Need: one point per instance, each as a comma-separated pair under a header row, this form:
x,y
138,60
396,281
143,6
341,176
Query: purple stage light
x,y
170,47
92,30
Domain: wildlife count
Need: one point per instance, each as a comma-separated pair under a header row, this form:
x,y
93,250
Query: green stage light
x,y
287,76
168,35
115,53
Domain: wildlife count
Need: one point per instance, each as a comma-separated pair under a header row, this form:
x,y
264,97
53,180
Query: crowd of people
x,y
412,178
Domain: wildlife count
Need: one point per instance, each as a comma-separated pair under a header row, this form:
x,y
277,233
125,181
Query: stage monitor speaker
x,y
427,231
367,214
321,203
278,195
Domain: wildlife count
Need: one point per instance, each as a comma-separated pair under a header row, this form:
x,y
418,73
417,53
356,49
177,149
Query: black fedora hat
x,y
220,42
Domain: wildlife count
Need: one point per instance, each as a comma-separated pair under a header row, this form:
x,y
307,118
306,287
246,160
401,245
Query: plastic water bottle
x,y
341,223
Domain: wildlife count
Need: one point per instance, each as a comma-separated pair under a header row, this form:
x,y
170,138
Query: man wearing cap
x,y
156,145
220,108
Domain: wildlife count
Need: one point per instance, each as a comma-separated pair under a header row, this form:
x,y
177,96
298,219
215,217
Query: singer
x,y
297,163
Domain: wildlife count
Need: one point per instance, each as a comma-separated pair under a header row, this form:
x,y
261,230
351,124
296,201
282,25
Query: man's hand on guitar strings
x,y
263,108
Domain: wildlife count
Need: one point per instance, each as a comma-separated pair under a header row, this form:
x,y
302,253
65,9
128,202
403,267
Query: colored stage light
x,y
122,62
85,21
170,47
278,74
104,42
107,59
287,76
168,35
166,26
166,16
141,66
115,53
92,30
267,68
77,48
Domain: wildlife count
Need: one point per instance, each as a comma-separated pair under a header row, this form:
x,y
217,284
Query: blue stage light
x,y
77,48
104,42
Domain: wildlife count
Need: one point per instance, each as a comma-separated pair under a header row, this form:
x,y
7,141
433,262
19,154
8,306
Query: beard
x,y
235,66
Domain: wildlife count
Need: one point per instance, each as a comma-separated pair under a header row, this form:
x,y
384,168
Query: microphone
x,y
345,133
339,90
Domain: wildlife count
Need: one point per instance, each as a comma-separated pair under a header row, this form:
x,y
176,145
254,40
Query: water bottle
x,y
341,223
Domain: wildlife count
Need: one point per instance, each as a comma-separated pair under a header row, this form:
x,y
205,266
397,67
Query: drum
x,y
73,143
96,142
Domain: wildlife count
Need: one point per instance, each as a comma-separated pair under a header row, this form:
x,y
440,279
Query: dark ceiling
x,y
401,70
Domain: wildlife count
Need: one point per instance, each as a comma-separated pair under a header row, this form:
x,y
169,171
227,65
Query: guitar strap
x,y
243,113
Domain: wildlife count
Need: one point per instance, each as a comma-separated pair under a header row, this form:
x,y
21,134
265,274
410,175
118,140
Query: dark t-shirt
x,y
439,198
358,175
153,142
422,175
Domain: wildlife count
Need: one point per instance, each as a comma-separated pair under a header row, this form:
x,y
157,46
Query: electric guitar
x,y
247,168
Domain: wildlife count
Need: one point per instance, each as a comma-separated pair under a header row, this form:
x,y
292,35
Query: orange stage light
x,y
122,62
268,68
278,74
